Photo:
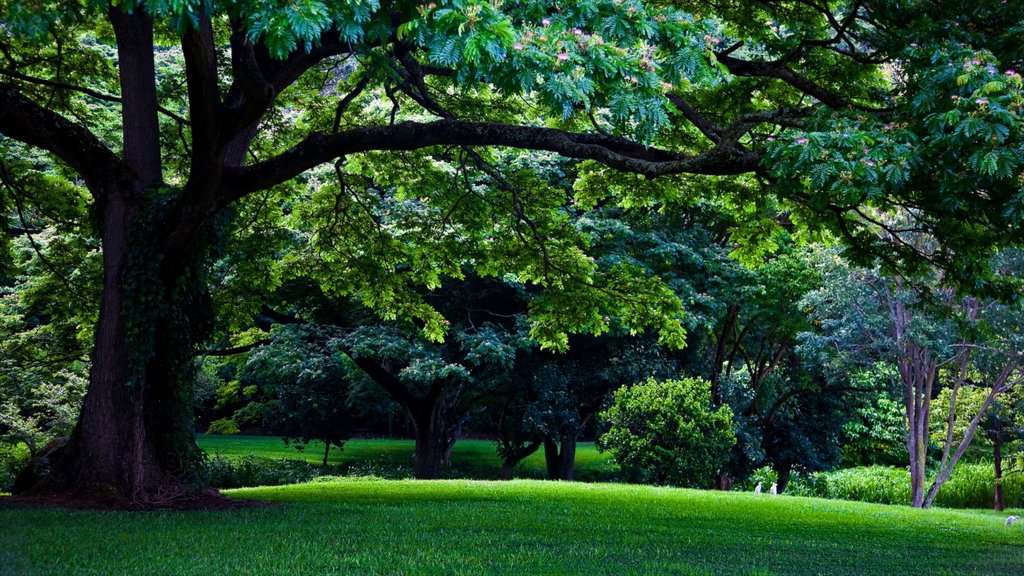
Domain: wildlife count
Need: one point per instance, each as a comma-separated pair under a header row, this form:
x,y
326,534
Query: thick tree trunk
x,y
560,460
551,460
997,462
426,420
109,455
133,441
783,472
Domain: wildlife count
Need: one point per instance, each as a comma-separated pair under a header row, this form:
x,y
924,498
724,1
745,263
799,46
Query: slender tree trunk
x,y
567,456
551,460
997,462
327,451
946,469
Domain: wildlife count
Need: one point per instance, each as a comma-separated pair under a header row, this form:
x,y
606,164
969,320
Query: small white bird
x,y
757,489
1011,520
775,489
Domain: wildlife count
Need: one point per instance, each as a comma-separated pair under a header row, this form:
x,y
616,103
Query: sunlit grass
x,y
470,458
519,527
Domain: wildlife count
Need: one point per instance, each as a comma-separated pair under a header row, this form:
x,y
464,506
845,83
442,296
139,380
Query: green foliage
x,y
45,317
13,458
876,432
878,484
222,472
303,384
223,426
971,486
668,432
953,146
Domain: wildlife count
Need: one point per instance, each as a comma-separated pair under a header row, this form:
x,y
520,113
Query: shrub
x,y
13,457
879,484
224,426
765,475
971,486
667,432
250,470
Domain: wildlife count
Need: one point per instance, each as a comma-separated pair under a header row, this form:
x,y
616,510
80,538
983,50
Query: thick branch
x,y
197,46
137,73
25,121
783,72
619,153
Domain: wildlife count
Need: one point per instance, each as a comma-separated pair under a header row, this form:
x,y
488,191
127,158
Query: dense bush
x,y
252,470
222,472
667,432
13,458
970,487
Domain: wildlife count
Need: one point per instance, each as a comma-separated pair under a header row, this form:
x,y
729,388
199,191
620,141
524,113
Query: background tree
x,y
304,386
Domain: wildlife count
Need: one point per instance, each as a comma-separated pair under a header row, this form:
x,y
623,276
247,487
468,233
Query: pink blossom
x,y
563,57
981,101
802,140
546,22
1011,72
517,47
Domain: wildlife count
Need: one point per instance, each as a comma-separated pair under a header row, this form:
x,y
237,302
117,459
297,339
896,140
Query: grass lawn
x,y
470,458
519,527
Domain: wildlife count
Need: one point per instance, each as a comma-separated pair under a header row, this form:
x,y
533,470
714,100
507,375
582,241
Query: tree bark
x,y
997,464
560,457
510,462
107,455
426,420
783,471
567,456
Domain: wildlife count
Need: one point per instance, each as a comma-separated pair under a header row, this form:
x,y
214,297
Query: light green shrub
x,y
224,426
971,486
667,432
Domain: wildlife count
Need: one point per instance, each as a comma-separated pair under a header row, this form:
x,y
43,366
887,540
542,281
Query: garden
x,y
511,287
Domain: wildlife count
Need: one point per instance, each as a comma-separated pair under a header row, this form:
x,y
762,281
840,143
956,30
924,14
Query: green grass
x,y
519,527
470,458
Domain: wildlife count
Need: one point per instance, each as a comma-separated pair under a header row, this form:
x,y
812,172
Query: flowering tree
x,y
212,102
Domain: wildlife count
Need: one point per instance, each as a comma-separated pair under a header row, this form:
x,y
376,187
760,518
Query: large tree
x,y
170,113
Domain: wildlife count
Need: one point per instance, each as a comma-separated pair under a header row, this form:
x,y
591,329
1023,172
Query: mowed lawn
x,y
470,458
521,527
